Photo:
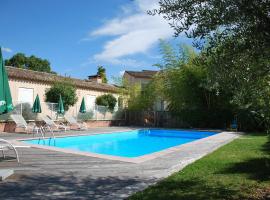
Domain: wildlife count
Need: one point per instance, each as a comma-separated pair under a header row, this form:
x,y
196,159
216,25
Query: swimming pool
x,y
129,144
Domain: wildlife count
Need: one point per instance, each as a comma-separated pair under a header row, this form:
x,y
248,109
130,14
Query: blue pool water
x,y
126,144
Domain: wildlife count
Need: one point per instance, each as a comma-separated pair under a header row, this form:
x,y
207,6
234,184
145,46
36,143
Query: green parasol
x,y
36,106
82,107
60,109
5,95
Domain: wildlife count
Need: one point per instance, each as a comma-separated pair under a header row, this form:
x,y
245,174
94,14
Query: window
x,y
26,95
90,102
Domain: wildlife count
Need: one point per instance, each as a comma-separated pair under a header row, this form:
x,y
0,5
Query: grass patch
x,y
238,170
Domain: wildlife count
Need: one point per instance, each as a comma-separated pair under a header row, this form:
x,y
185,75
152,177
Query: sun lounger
x,y
21,123
51,125
6,146
73,122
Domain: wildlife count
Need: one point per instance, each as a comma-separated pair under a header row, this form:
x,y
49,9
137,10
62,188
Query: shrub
x,y
86,116
26,111
107,100
67,91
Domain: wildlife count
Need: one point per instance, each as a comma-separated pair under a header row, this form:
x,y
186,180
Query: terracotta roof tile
x,y
24,74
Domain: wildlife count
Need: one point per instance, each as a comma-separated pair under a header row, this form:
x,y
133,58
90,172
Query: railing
x,y
50,109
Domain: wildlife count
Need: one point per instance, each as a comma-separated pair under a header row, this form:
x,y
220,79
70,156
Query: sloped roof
x,y
30,75
142,74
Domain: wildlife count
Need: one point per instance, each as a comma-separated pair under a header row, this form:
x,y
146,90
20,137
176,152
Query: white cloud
x,y
145,5
127,62
134,33
5,49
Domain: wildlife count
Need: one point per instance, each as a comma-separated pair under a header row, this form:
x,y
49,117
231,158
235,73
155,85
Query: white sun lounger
x,y
73,122
5,146
51,125
21,123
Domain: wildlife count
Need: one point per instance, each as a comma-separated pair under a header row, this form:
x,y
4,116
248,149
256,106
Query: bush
x,y
26,111
86,116
107,100
67,91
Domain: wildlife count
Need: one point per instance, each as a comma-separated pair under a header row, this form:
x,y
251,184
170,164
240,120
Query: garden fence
x,y
50,109
153,119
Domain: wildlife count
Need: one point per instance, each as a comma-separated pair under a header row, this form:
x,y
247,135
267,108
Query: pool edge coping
x,y
136,160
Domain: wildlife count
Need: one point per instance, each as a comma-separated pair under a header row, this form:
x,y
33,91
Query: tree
x,y
132,95
18,60
247,78
67,91
220,19
107,100
234,37
102,72
183,84
33,63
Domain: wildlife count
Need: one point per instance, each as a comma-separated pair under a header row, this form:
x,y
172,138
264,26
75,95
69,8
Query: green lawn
x,y
239,170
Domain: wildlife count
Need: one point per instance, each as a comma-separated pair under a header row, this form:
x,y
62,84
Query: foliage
x,y
67,91
239,170
142,98
235,40
33,63
133,96
190,84
184,85
107,100
219,19
102,72
85,116
174,56
26,111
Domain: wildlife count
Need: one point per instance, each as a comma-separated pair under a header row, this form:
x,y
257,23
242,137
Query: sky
x,y
76,36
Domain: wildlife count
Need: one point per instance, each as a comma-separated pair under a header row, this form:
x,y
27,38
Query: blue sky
x,y
78,35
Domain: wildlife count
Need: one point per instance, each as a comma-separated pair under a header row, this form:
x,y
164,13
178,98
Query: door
x,y
90,102
26,95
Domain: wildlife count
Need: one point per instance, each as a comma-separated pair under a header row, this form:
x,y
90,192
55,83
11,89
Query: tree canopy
x,y
220,19
234,38
67,91
107,100
32,62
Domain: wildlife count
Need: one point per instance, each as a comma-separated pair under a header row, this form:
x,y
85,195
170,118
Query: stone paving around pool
x,y
47,174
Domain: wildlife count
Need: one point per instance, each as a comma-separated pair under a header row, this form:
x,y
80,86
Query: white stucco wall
x,y
40,88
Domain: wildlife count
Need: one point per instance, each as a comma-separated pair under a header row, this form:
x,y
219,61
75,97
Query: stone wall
x,y
11,126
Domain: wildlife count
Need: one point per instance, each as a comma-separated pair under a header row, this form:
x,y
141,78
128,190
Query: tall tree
x,y
216,18
102,72
32,62
235,38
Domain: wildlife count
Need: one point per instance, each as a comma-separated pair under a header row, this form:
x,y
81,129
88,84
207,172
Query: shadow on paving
x,y
7,158
66,186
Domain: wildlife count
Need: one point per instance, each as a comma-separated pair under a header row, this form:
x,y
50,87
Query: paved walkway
x,y
46,174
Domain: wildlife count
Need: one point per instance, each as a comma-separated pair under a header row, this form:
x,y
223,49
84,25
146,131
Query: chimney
x,y
95,78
